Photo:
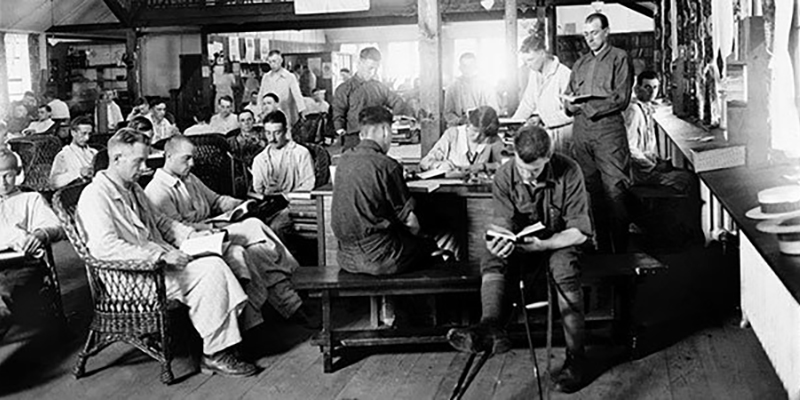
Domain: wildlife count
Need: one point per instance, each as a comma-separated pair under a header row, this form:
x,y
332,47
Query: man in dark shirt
x,y
602,80
359,92
373,212
537,186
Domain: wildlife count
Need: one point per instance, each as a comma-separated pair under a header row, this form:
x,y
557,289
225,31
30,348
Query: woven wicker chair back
x,y
37,153
213,162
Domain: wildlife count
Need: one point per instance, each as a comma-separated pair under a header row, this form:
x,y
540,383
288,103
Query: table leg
x,y
327,334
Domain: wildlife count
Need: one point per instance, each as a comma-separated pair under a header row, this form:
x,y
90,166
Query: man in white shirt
x,y
317,104
467,92
224,121
284,166
202,124
256,255
120,223
59,109
541,103
74,161
162,128
113,114
44,123
285,85
252,105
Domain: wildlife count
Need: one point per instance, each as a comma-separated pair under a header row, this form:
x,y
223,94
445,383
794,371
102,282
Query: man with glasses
x,y
285,86
599,91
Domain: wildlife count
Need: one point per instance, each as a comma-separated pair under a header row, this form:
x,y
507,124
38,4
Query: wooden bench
x,y
618,272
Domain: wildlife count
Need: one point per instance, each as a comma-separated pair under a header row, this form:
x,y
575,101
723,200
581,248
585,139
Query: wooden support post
x,y
134,65
512,81
430,59
552,28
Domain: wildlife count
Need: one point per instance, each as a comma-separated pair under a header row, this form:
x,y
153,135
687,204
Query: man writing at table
x,y
537,186
74,161
120,223
256,255
27,224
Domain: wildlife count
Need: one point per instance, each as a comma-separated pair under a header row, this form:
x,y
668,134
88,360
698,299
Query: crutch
x,y
534,306
469,374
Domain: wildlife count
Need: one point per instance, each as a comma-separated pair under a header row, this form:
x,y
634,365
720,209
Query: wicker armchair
x,y
50,290
322,163
129,296
37,153
213,163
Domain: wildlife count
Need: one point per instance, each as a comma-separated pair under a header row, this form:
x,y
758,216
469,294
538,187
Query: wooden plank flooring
x,y
716,362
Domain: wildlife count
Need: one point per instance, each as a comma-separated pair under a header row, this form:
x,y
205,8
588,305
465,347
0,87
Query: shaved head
x,y
176,144
8,160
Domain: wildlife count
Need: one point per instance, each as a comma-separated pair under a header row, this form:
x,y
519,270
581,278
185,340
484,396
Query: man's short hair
x,y
82,120
345,70
600,17
29,93
140,101
7,154
485,119
156,101
274,52
254,92
141,124
467,56
375,115
203,114
227,98
46,107
646,75
275,117
532,143
247,111
533,42
370,53
174,142
273,96
125,137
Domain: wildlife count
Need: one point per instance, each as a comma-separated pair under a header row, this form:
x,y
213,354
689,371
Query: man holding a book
x,y
256,255
120,223
541,196
27,224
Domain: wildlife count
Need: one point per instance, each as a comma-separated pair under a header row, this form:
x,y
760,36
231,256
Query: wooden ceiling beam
x,y
120,11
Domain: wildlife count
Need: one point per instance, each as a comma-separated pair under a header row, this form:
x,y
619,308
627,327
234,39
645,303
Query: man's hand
x,y
33,243
86,172
176,259
340,132
500,247
200,233
532,244
571,107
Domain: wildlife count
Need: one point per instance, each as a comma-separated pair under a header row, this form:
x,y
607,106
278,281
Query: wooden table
x,y
770,281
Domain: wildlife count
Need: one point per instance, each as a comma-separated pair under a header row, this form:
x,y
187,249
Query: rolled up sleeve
x,y
576,205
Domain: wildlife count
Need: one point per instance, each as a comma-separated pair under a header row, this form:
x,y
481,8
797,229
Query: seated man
x,y
269,103
202,125
74,161
284,166
372,210
43,124
256,255
224,121
537,186
252,105
119,223
162,128
26,225
246,143
468,148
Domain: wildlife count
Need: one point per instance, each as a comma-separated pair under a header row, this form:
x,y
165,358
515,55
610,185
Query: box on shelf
x,y
715,156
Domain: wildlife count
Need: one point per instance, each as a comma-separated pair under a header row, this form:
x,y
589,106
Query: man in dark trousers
x,y
536,186
598,93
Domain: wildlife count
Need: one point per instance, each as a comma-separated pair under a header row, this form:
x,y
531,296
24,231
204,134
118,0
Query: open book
x,y
237,214
265,206
530,230
209,245
580,98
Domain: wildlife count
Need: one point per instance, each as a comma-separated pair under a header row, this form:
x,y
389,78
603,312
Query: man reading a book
x,y
257,257
599,91
538,186
74,161
27,224
119,222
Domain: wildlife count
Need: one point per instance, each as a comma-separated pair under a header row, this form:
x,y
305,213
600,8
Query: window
x,y
18,65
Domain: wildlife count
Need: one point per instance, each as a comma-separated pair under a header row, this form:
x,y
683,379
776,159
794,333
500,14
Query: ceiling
x,y
40,15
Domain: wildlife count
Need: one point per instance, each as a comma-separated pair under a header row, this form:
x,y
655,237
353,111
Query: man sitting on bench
x,y
538,186
372,212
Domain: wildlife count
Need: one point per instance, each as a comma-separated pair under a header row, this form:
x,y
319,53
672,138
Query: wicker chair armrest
x,y
125,265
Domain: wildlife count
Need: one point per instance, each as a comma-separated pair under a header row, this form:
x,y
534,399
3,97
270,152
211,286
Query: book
x,y
434,173
208,245
237,214
519,237
580,98
423,186
261,207
9,254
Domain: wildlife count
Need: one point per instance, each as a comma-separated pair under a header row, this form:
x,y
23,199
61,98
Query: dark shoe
x,y
303,318
226,363
572,377
479,338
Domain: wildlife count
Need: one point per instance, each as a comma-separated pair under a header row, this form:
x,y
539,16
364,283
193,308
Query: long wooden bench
x,y
621,273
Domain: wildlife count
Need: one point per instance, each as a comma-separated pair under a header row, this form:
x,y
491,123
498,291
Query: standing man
x,y
74,161
108,110
225,120
359,92
468,92
284,84
120,223
541,102
599,91
536,186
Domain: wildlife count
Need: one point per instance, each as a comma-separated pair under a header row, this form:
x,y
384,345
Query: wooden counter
x,y
770,281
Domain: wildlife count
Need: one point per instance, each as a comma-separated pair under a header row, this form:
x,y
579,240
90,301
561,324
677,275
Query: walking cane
x,y
525,307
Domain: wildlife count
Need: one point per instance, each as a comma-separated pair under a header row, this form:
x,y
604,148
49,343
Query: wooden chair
x,y
322,163
37,153
50,290
213,163
129,296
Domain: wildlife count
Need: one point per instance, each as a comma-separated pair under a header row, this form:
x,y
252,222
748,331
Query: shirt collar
x,y
552,68
606,48
546,178
369,144
15,193
166,178
281,74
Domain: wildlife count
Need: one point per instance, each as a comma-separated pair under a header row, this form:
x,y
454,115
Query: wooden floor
x,y
719,361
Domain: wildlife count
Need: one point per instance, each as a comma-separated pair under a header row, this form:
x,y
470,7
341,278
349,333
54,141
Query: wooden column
x,y
512,80
552,28
430,80
134,65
